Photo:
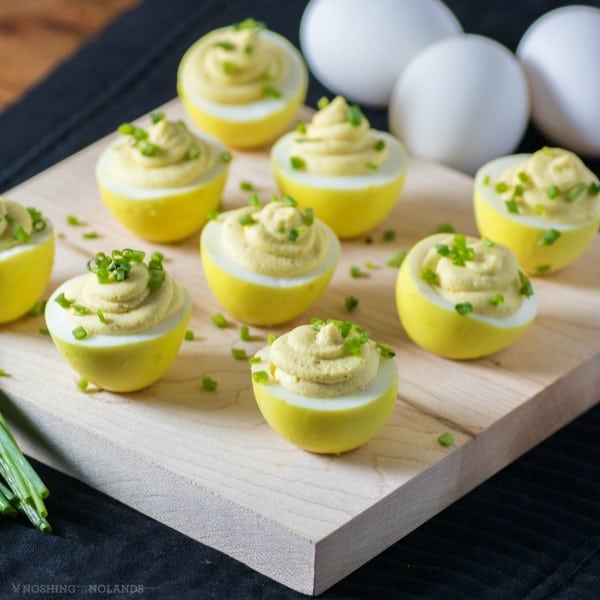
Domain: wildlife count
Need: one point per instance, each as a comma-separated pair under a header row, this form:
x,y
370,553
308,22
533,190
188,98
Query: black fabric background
x,y
532,531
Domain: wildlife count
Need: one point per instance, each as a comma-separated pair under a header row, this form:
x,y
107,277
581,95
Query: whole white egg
x,y
357,48
560,53
462,101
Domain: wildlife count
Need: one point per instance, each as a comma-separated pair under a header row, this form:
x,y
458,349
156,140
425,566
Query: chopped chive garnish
x,y
254,200
249,23
254,360
44,331
501,187
593,189
300,127
445,228
226,156
239,354
228,67
73,220
518,193
322,102
189,335
357,272
526,287
219,321
271,337
489,243
486,180
245,333
193,152
446,439
511,207
289,201
548,237
539,209
271,92
463,308
497,300
385,351
459,252
156,117
212,215
248,49
371,166
79,333
379,145
389,235
147,148
209,384
552,192
354,115
293,235
372,265
260,377
297,163
63,301
350,303
37,309
543,269
246,220
368,240
576,191
83,384
3,373
81,310
397,258
101,317
246,186
428,275
90,235
225,45
18,233
309,217
523,177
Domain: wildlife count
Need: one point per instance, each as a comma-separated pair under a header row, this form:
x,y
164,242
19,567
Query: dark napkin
x,y
532,531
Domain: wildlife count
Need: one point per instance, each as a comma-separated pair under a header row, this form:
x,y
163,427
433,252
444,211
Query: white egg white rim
x,y
494,170
37,237
211,243
525,314
386,374
61,326
297,79
105,178
395,164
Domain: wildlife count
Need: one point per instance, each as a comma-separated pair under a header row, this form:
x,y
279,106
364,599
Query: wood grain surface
x,y
36,35
206,463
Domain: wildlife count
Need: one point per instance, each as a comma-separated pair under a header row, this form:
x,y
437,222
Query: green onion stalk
x,y
23,490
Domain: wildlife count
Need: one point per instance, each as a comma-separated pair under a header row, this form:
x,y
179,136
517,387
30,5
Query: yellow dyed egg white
x,y
118,363
524,234
326,425
351,204
25,271
258,299
164,215
252,124
433,323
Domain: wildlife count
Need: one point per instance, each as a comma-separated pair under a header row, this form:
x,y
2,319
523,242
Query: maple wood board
x,y
207,464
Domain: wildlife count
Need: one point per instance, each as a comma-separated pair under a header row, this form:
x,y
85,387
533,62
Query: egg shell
x,y
358,48
560,53
462,101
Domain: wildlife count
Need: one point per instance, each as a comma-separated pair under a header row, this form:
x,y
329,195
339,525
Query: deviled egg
x,y
161,181
545,206
325,387
350,174
266,264
462,297
121,324
242,83
26,258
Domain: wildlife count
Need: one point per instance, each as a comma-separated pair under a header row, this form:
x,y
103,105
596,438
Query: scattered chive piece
x,y
246,220
101,317
542,269
368,240
523,177
350,303
518,191
189,335
37,309
293,235
379,145
289,201
446,439
489,243
385,351
254,360
226,156
501,187
357,272
297,163
254,200
80,310
227,46
83,384
271,92
79,333
486,180
228,67
371,166
548,237
155,117
593,189
445,228
389,235
20,234
397,258
38,222
44,331
511,207
212,215
260,377
73,220
245,333
354,115
552,192
246,186
193,152
249,23
428,275
271,337
371,265
526,287
309,217
464,308
539,209
209,384
63,301
300,127
576,191
322,102
90,235
3,373
147,148
219,321
497,300
239,354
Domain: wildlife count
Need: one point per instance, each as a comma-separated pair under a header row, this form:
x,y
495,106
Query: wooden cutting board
x,y
206,464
